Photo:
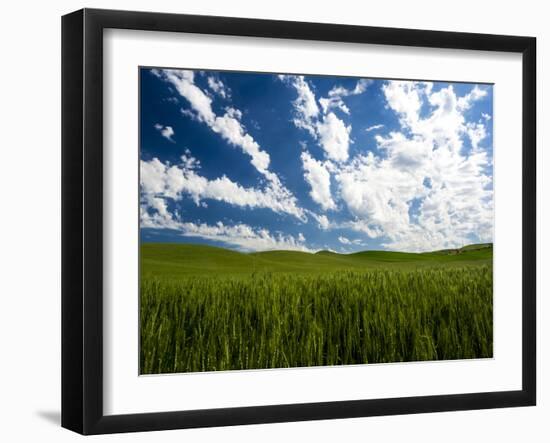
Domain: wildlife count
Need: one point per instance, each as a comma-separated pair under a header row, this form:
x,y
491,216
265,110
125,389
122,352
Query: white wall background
x,y
30,219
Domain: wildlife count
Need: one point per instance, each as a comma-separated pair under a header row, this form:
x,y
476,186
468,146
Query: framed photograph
x,y
269,221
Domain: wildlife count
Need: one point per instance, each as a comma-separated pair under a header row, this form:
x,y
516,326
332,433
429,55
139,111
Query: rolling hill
x,y
171,260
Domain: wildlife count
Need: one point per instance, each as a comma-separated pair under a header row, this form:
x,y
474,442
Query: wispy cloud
x,y
374,127
218,87
336,94
347,241
241,236
227,125
332,134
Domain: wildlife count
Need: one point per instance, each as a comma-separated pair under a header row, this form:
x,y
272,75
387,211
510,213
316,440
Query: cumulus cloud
x,y
405,98
163,181
166,131
423,192
377,194
318,178
476,132
323,222
334,137
474,95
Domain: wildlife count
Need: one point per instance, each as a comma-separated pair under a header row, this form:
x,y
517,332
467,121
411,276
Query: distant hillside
x,y
172,260
474,247
325,252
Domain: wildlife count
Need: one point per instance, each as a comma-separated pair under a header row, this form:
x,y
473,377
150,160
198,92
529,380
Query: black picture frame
x,y
82,219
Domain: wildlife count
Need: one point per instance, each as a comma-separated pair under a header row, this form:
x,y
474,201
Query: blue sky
x,y
254,161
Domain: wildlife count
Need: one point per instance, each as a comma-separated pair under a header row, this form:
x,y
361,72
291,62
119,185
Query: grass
x,y
208,309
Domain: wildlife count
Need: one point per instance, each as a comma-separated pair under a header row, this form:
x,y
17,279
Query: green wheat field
x,y
204,308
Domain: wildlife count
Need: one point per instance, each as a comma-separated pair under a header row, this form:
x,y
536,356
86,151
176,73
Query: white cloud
x,y
405,98
423,192
161,181
334,99
323,221
476,132
377,193
230,128
331,133
334,137
318,177
445,125
474,95
305,104
242,236
190,114
347,241
374,127
234,113
328,103
218,87
166,131
227,125
364,227
486,116
361,86
183,82
344,240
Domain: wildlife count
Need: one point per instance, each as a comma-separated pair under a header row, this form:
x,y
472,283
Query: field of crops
x,y
210,309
